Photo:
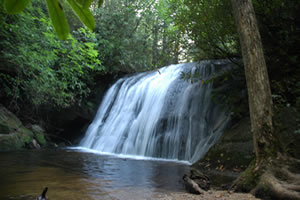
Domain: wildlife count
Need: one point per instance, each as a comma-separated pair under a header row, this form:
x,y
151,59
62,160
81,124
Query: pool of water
x,y
78,175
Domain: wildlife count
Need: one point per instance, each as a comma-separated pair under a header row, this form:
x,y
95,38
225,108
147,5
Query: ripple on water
x,y
71,174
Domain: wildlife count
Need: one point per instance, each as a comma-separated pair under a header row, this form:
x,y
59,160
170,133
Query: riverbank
x,y
209,195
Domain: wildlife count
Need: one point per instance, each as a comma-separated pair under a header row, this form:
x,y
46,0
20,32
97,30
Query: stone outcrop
x,y
229,156
15,136
233,153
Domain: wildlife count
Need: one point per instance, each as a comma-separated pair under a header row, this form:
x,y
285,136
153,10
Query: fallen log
x,y
191,186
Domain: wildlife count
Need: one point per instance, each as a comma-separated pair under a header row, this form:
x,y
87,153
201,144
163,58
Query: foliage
x,y
46,71
56,12
280,29
209,25
210,28
134,37
38,72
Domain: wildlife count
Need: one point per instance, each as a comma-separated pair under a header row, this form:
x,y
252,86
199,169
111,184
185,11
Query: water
x,y
158,115
77,175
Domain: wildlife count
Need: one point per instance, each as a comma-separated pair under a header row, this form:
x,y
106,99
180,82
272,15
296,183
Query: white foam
x,y
133,157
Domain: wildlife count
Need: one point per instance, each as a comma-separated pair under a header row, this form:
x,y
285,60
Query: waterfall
x,y
157,114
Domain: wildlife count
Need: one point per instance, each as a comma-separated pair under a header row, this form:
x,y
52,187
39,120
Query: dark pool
x,y
77,175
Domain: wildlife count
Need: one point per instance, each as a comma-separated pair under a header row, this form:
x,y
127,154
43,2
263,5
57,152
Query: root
x,y
279,179
269,185
279,182
293,177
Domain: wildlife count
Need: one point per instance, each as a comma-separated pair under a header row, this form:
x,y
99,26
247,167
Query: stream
x,y
77,174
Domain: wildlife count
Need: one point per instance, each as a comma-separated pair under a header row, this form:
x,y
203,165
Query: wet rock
x,y
34,145
15,136
8,121
229,156
4,129
39,134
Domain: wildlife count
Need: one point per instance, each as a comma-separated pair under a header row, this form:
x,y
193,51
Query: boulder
x,y
34,145
15,136
8,121
39,134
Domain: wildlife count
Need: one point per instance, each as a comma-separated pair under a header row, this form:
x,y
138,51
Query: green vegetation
x,y
14,135
39,70
41,73
57,14
210,25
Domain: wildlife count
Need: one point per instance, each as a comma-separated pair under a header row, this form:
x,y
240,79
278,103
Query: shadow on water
x,y
79,175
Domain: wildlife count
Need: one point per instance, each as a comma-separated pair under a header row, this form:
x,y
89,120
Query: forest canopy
x,y
37,68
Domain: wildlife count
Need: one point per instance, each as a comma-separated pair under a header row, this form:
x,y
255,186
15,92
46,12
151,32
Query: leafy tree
x,y
134,36
262,176
46,71
57,14
209,26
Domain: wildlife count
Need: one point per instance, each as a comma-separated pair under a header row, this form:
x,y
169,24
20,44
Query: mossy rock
x,y
8,120
4,129
15,141
13,135
40,138
39,134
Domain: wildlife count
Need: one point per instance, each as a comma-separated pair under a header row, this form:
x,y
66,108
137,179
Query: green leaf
x,y
58,19
84,14
15,6
84,3
87,3
100,3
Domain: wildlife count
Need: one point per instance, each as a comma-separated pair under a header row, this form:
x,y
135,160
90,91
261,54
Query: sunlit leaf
x,y
58,19
87,3
84,14
84,3
15,6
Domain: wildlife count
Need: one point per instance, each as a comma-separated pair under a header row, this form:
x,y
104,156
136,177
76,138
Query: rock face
x,y
234,151
229,156
15,136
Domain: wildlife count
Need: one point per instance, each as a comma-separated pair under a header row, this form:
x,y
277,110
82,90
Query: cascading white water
x,y
157,114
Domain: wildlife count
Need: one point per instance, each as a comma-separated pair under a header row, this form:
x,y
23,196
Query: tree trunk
x,y
273,174
259,93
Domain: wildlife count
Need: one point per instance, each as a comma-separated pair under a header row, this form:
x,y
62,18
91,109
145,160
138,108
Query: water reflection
x,y
80,175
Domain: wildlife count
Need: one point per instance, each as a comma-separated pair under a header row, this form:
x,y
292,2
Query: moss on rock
x,y
40,138
39,134
14,136
8,119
